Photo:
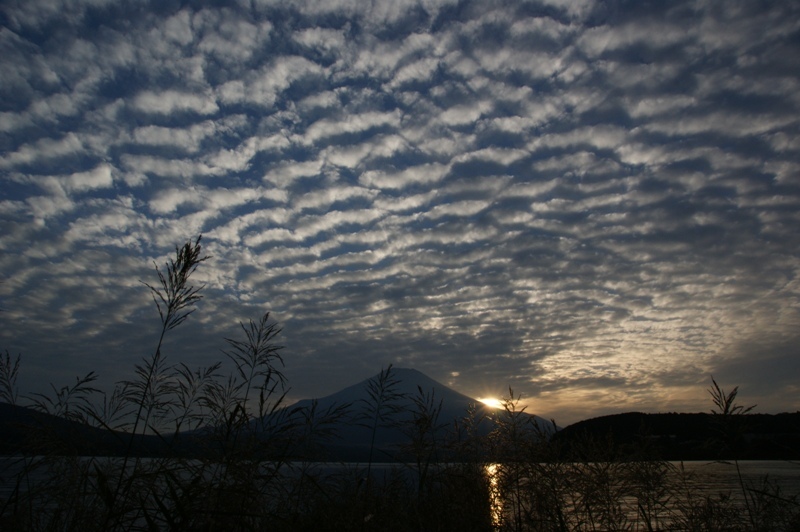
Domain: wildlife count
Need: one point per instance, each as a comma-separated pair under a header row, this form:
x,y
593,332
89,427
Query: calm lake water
x,y
716,476
699,480
705,479
711,477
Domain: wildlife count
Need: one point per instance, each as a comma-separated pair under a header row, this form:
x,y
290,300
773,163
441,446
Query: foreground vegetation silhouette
x,y
255,464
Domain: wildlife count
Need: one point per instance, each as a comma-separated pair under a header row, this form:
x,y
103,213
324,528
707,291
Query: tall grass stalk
x,y
728,418
9,372
422,431
175,299
380,409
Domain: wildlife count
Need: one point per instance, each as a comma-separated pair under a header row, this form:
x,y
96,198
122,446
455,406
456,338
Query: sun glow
x,y
491,401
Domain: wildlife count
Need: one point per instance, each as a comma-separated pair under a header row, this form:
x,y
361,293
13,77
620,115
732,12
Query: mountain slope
x,y
409,382
28,431
342,426
402,420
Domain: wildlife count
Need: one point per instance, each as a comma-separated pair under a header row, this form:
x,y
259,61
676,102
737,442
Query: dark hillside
x,y
30,432
691,436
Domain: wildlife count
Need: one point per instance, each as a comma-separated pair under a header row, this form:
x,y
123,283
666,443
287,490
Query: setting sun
x,y
491,401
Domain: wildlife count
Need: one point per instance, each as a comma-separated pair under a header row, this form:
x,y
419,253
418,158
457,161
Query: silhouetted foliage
x,y
9,372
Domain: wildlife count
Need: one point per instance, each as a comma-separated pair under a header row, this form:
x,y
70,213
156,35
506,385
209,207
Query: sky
x,y
595,203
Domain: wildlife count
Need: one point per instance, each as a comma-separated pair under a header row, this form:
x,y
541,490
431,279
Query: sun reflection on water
x,y
495,497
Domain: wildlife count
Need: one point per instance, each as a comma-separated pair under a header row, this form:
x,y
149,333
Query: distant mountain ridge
x,y
28,431
354,438
672,436
409,384
697,436
350,438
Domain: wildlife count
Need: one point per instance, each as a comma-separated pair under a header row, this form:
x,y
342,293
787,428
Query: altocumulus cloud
x,y
596,203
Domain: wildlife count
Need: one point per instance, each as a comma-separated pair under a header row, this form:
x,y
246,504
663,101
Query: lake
x,y
584,492
683,491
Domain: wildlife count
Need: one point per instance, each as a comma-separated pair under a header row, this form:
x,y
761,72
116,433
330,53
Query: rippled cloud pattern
x,y
596,203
